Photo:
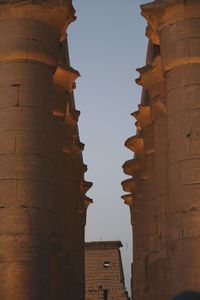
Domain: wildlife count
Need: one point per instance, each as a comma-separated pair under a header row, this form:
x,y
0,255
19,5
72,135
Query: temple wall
x,y
104,271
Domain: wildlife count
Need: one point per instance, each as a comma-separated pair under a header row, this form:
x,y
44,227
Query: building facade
x,y
163,190
43,198
104,272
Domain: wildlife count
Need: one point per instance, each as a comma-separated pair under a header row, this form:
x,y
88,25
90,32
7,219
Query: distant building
x,y
104,276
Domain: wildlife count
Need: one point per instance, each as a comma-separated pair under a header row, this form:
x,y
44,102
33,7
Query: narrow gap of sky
x,y
107,43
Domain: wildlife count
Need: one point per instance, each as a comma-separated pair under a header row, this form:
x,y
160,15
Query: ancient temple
x,y
43,198
104,275
163,188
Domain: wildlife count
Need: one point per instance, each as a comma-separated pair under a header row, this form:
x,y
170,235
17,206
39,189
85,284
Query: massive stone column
x,y
174,24
30,234
70,185
142,188
151,78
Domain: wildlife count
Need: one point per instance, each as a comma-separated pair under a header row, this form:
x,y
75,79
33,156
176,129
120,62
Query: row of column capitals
x,y
161,13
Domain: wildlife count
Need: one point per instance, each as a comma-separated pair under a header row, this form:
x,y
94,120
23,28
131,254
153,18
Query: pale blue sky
x,y
107,43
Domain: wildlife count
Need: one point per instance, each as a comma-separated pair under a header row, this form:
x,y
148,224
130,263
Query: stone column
x,y
140,186
70,184
148,188
63,79
30,34
175,26
151,78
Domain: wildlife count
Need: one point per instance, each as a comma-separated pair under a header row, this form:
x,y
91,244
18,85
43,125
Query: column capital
x,y
135,144
72,115
59,14
128,199
73,145
85,186
130,166
129,185
161,13
66,78
151,75
87,201
152,79
142,115
84,168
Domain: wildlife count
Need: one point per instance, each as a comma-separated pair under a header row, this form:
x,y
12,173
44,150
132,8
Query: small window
x,y
106,264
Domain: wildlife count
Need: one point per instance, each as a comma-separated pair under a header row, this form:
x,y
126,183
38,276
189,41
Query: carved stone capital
x,y
72,115
66,78
58,14
142,115
152,79
87,201
135,144
130,166
84,168
128,199
129,185
73,145
161,13
85,186
151,75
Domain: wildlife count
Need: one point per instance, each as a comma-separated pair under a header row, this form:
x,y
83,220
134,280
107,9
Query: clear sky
x,y
107,43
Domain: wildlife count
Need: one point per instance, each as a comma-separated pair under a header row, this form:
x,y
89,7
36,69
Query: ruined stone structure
x,y
43,198
164,188
104,272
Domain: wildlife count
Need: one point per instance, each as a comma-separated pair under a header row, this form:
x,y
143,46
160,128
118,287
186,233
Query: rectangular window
x,y
106,264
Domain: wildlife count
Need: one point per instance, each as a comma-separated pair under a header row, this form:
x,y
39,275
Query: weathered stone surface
x,y
42,202
168,215
104,271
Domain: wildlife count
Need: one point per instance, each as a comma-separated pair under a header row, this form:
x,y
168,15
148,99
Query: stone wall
x,y
104,272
